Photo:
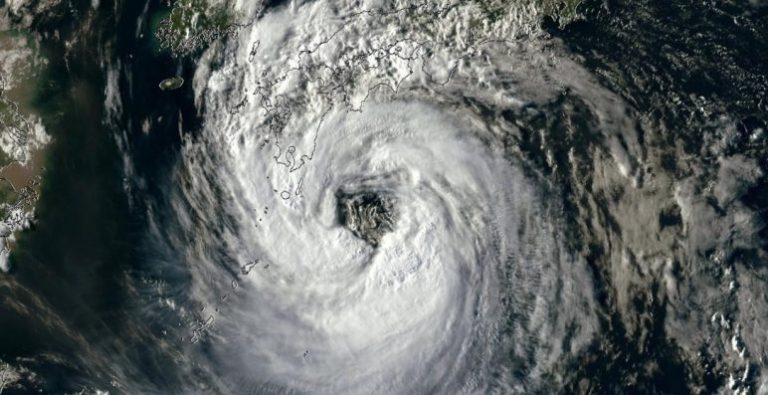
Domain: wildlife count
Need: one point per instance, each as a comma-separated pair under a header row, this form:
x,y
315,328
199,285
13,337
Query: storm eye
x,y
368,215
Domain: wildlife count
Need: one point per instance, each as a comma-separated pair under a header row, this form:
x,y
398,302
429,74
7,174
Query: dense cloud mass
x,y
393,197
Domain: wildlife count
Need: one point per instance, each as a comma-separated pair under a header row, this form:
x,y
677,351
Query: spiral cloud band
x,y
383,197
370,244
428,308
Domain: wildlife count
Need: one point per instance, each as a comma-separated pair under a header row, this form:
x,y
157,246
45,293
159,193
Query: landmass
x,y
172,83
22,138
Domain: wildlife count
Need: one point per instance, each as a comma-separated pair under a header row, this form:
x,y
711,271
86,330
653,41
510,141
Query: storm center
x,y
368,215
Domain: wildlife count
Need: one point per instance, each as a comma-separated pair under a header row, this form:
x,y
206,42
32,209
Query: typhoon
x,y
391,197
320,308
368,238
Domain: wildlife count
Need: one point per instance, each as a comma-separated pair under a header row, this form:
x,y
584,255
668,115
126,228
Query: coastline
x,y
23,138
